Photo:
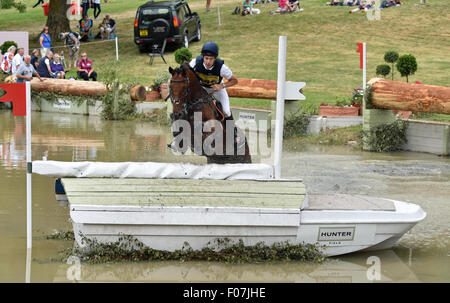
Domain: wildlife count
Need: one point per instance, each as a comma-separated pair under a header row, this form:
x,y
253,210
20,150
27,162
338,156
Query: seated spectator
x,y
57,67
86,68
282,7
109,28
294,5
7,59
248,9
44,69
342,3
386,4
17,61
26,71
35,58
86,28
72,40
363,5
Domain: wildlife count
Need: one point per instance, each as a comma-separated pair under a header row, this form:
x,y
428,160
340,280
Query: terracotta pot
x,y
164,89
152,95
336,111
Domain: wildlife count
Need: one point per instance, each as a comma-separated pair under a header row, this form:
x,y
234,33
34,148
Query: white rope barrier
x,y
95,42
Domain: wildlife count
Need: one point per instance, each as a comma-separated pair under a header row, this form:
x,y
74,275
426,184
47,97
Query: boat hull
x,y
170,228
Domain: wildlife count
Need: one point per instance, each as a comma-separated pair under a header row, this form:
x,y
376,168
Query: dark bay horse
x,y
210,133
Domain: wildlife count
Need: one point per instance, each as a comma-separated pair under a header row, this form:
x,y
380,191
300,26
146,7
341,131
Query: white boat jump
x,y
165,205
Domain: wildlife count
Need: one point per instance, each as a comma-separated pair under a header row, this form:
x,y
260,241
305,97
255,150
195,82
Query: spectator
x,y
247,8
86,28
35,58
97,8
363,5
45,41
86,68
294,5
17,61
57,68
85,5
208,5
282,7
110,27
72,40
26,71
7,59
44,69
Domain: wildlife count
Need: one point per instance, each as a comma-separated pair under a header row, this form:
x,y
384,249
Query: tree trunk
x,y
387,94
57,21
69,87
81,88
253,88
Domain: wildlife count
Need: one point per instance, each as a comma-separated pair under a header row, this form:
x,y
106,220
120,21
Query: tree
x,y
407,65
57,20
58,13
383,69
391,57
182,54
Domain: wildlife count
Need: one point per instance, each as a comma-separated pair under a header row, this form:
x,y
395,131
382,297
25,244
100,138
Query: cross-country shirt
x,y
212,75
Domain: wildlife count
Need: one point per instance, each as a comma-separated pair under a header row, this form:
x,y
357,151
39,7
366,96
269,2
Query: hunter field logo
x,y
336,233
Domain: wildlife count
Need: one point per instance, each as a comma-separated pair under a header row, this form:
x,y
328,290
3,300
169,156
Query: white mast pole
x,y
364,74
29,171
279,123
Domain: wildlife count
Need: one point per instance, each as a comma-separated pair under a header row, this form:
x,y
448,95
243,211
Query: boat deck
x,y
285,194
348,202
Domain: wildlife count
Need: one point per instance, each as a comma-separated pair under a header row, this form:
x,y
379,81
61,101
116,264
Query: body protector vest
x,y
208,77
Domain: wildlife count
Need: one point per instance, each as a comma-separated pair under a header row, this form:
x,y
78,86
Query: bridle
x,y
187,106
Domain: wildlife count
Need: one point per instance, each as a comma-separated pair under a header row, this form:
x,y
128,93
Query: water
x,y
422,255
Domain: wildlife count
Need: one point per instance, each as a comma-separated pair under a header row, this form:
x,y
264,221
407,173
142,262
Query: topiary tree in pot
x,y
407,65
391,57
383,70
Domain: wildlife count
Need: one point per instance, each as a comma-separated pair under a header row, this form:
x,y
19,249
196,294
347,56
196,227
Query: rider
x,y
211,70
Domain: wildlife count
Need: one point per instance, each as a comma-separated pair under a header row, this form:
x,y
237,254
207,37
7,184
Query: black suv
x,y
156,21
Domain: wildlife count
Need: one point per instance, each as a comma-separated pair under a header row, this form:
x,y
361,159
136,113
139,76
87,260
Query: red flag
x,y
360,51
17,94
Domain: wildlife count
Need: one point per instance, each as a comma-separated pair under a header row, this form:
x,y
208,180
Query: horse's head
x,y
179,91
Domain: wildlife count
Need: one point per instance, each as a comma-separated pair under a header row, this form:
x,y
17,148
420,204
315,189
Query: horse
x,y
190,101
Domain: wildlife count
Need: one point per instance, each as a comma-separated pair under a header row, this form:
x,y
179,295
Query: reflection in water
x,y
421,255
391,268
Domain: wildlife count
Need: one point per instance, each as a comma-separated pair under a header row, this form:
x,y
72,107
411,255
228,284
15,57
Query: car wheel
x,y
142,48
198,37
185,41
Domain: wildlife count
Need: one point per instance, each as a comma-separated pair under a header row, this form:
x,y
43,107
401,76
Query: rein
x,y
187,106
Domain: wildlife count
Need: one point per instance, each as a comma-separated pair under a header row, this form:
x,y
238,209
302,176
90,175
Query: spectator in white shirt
x,y
17,61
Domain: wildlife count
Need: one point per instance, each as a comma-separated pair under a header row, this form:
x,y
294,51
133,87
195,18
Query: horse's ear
x,y
171,71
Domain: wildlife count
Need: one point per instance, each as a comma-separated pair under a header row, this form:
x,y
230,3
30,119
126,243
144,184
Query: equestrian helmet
x,y
210,49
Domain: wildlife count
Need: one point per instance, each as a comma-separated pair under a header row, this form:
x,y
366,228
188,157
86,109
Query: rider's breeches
x,y
222,97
